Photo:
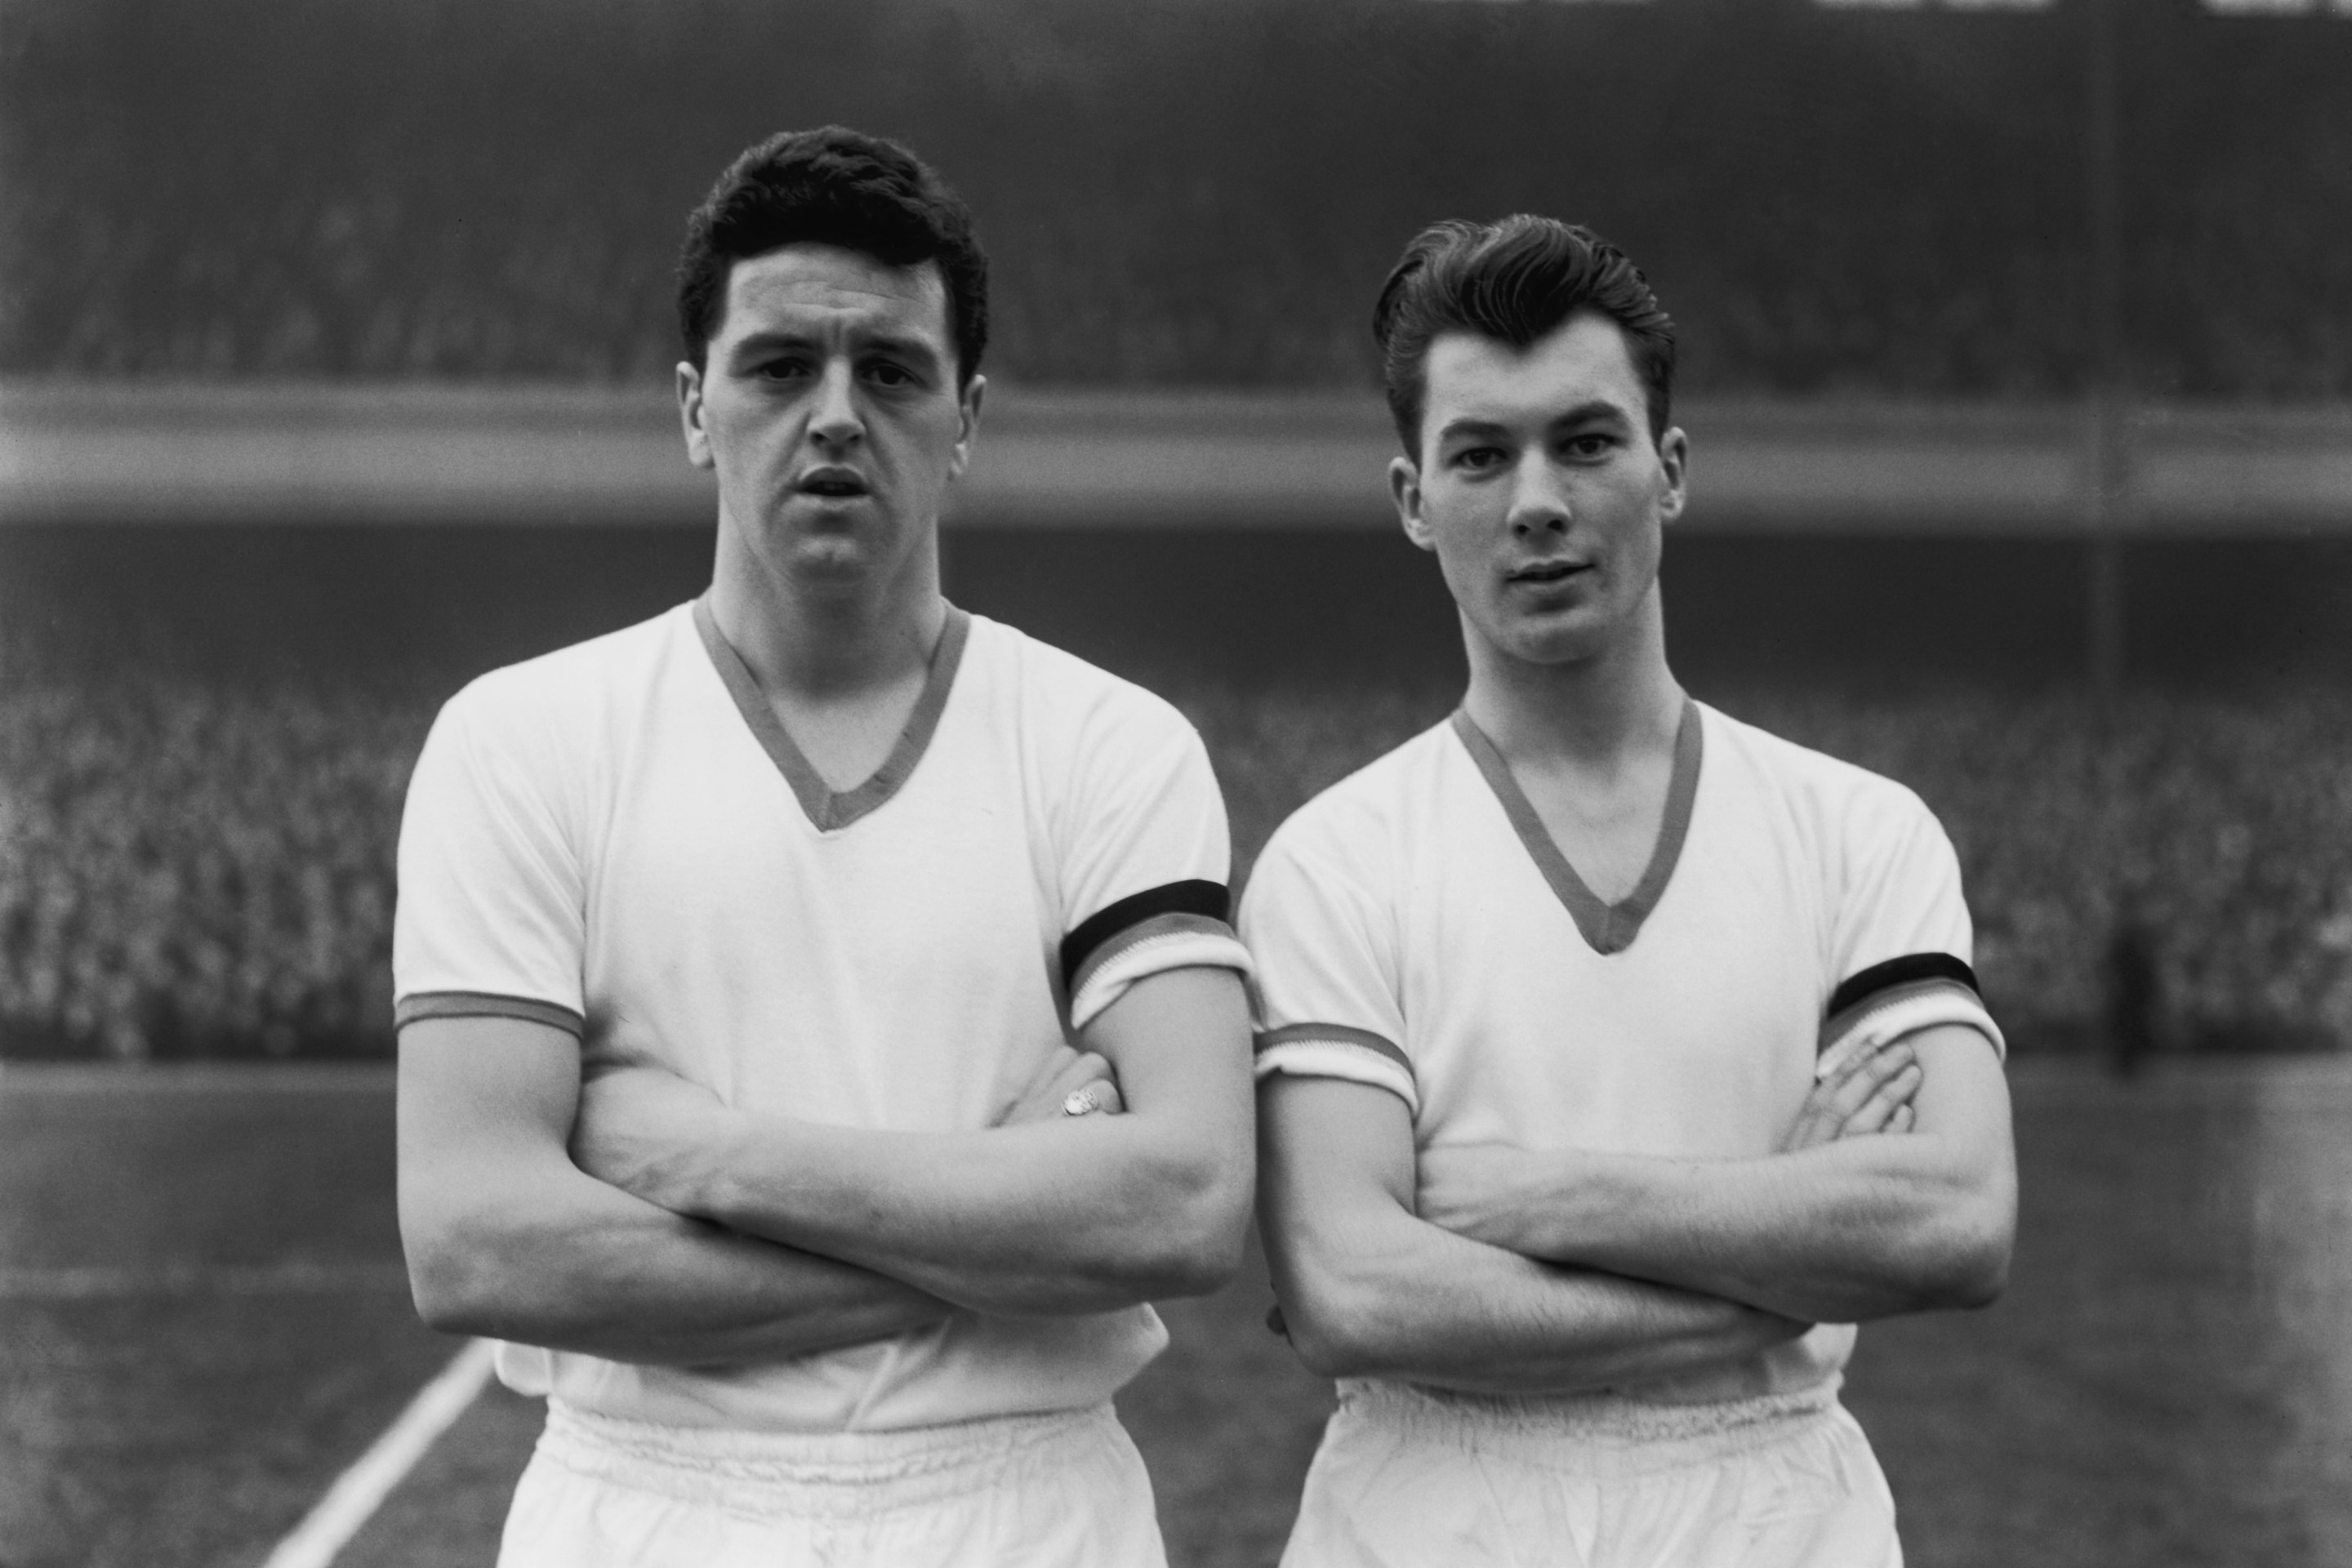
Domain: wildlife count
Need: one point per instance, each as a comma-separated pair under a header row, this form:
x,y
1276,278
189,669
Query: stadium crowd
x,y
205,867
197,867
1833,201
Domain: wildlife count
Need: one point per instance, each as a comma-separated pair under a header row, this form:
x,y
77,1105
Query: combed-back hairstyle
x,y
831,186
1515,280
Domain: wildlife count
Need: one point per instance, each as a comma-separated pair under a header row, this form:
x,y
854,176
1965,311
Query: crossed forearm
x,y
1404,1298
557,1259
1839,1233
1896,1192
1043,1213
1040,1218
506,1237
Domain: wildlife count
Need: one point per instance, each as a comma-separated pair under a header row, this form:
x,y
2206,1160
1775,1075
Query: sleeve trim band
x,y
485,1004
1317,1055
1335,1034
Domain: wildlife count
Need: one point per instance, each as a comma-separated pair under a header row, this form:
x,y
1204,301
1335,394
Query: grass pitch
x,y
202,1323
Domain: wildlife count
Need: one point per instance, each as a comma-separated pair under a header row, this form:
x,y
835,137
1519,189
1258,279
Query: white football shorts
x,y
1406,1479
1060,1490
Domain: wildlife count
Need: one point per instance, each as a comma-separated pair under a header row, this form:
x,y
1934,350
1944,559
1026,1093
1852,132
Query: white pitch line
x,y
359,1491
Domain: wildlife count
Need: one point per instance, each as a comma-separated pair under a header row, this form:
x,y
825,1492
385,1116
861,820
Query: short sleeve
x,y
1901,937
1328,997
1144,857
490,920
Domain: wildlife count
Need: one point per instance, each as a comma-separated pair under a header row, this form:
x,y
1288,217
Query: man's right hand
x,y
1870,1094
1068,1072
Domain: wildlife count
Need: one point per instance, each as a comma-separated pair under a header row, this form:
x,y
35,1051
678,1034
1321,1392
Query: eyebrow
x,y
908,347
1593,410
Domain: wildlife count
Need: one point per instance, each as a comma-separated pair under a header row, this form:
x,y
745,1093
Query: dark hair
x,y
831,186
1515,280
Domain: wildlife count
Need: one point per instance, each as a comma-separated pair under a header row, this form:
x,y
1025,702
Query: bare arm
x,y
1068,1215
1369,1290
506,1237
1842,1231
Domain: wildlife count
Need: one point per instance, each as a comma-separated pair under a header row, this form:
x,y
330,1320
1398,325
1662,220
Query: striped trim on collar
x,y
1606,928
826,808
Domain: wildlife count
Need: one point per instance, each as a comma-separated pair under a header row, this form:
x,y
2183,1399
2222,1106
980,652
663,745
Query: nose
x,y
1538,501
833,419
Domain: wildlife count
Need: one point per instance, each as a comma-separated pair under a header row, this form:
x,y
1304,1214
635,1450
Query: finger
x,y
1850,1092
1814,1124
1906,1117
1872,1114
1057,1066
1833,1102
1098,1098
1081,1070
1830,1109
1878,1066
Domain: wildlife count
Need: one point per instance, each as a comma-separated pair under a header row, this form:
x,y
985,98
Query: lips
x,y
1541,571
833,483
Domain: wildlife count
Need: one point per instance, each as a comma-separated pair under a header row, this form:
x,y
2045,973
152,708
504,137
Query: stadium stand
x,y
1834,201
200,864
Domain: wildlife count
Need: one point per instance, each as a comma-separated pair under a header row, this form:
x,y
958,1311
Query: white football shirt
x,y
1416,929
621,840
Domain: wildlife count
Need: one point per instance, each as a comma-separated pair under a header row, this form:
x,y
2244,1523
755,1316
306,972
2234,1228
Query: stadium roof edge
x,y
90,451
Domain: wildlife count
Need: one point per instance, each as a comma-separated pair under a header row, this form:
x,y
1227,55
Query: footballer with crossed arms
x,y
820,1034
1616,1056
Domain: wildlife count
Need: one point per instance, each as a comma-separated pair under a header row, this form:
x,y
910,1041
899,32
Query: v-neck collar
x,y
1606,928
825,807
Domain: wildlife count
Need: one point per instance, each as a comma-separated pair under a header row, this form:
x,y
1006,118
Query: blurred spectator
x,y
192,869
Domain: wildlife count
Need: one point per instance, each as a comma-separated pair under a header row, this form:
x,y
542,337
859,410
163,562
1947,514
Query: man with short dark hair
x,y
820,1034
1617,1056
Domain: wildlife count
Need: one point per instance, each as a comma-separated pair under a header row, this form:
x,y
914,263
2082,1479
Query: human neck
x,y
1588,714
823,643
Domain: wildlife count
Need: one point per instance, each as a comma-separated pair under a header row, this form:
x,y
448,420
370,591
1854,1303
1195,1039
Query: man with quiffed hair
x,y
1617,1057
820,1032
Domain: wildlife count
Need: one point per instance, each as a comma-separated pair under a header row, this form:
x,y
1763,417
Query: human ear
x,y
967,422
689,416
1405,490
1674,463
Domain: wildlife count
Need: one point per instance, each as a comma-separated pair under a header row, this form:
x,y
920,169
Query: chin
x,y
1568,639
836,560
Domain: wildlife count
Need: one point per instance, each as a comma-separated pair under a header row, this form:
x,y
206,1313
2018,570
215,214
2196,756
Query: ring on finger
x,y
1082,1101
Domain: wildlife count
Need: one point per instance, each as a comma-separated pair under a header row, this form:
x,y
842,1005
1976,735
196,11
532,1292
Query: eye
x,y
1479,459
787,368
1591,444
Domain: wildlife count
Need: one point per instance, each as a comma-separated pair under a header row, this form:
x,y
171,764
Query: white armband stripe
x,y
1902,1010
1152,947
